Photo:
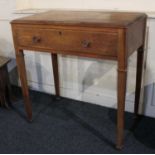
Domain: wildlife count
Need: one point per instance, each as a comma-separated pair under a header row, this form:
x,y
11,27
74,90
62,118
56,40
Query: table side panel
x,y
135,35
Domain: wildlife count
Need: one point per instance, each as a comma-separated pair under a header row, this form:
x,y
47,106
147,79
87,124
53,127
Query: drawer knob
x,y
36,39
86,43
60,33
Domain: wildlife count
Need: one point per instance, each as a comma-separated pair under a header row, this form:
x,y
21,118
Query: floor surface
x,y
69,126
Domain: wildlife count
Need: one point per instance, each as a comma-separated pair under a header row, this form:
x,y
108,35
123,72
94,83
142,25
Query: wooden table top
x,y
83,18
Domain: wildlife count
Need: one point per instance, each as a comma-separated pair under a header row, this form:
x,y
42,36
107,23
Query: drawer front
x,y
100,43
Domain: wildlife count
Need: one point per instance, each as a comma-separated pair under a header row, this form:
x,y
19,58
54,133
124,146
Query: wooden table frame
x,y
129,37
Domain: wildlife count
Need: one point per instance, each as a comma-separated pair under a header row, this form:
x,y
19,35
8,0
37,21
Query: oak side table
x,y
104,35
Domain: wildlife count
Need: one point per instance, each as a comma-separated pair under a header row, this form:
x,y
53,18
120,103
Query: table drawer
x,y
103,43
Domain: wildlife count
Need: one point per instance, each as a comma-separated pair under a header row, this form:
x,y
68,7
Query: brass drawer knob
x,y
86,43
36,39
